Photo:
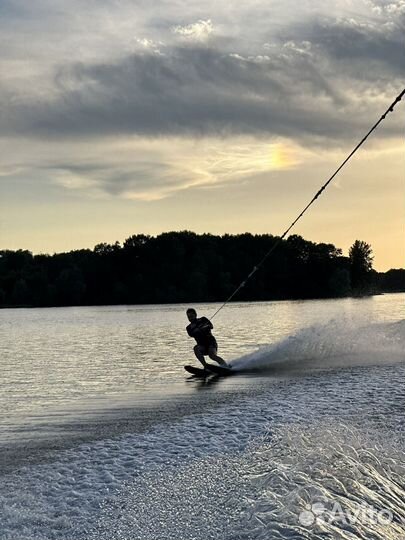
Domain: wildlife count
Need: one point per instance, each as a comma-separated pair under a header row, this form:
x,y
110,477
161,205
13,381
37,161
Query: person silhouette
x,y
200,330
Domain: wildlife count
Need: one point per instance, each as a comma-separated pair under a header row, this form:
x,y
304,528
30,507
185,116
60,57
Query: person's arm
x,y
189,330
207,324
193,330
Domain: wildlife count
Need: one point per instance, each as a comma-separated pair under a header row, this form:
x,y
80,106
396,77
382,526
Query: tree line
x,y
188,267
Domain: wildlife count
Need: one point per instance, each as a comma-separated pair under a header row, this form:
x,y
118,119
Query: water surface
x,y
99,415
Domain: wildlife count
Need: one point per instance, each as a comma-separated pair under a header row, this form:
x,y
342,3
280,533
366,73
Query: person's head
x,y
191,314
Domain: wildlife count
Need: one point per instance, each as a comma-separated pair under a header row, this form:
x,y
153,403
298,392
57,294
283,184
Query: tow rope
x,y
325,185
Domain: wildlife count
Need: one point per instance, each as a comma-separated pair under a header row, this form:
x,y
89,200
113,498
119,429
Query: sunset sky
x,y
119,117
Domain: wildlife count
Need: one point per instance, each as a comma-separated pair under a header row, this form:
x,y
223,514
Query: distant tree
x,y
21,294
14,260
339,282
70,287
136,241
106,249
393,280
186,267
120,293
361,264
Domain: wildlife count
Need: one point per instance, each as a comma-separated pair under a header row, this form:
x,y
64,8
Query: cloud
x,y
198,91
198,32
311,83
321,81
387,7
148,170
150,45
365,50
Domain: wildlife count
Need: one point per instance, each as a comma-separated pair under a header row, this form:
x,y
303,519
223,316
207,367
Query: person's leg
x,y
212,353
199,352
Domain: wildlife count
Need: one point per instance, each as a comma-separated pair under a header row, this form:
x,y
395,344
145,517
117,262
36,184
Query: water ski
x,y
198,371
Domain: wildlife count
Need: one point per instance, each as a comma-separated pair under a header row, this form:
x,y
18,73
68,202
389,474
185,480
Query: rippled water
x,y
106,436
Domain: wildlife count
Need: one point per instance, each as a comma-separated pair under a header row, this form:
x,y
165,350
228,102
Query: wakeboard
x,y
198,371
219,370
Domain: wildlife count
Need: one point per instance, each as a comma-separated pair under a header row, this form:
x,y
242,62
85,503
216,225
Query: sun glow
x,y
281,156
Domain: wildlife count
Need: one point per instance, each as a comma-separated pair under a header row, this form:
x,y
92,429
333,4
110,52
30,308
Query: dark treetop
x,y
186,267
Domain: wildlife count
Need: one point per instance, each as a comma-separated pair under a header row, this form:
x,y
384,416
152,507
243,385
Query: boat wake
x,y
324,482
337,344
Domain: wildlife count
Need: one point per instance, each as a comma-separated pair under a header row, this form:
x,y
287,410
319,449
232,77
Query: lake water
x,y
104,435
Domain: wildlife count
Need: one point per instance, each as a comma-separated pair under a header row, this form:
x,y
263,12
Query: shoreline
x,y
295,299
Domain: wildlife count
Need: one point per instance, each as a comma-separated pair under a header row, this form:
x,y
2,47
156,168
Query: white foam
x,y
262,492
336,343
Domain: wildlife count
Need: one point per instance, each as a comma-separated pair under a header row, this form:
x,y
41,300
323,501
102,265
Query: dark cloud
x,y
137,176
292,92
371,50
